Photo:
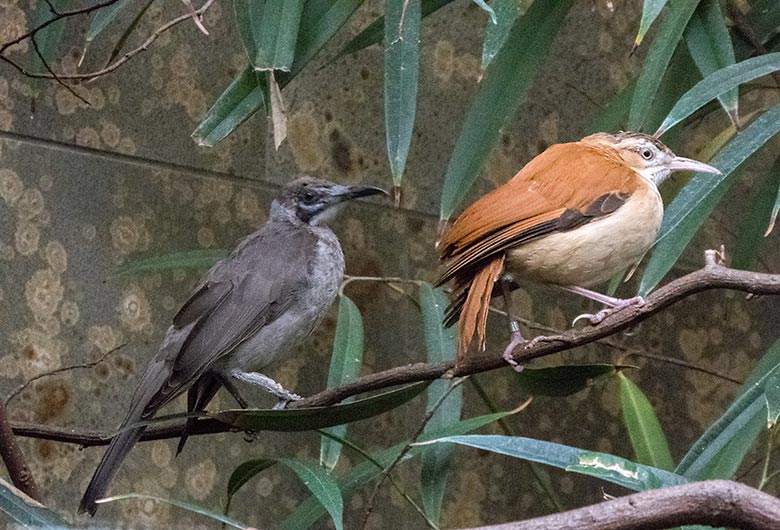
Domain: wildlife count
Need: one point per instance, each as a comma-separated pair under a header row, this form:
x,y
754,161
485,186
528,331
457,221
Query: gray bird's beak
x,y
680,163
347,193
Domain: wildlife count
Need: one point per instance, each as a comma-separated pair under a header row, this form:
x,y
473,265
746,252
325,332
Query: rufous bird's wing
x,y
566,186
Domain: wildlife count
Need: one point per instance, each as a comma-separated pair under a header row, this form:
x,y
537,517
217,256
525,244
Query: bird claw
x,y
283,401
598,318
517,339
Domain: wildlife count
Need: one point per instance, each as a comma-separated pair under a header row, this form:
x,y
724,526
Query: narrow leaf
x,y
312,418
103,17
48,39
120,43
559,381
402,65
644,429
709,43
718,83
344,368
188,259
235,105
184,505
496,32
375,32
322,486
28,512
637,477
356,478
698,198
269,30
650,11
776,207
657,60
486,8
772,396
243,474
440,346
500,93
753,227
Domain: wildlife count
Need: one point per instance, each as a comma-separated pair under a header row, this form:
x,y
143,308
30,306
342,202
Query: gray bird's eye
x,y
647,154
308,197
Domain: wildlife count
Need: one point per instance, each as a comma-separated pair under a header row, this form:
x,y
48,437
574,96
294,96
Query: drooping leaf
x,y
772,396
120,43
243,474
26,511
650,11
344,368
500,93
657,61
718,83
644,429
560,381
689,209
496,33
709,43
324,488
753,226
402,65
269,30
440,345
309,512
48,40
188,259
239,101
311,418
374,33
179,504
103,17
637,477
718,452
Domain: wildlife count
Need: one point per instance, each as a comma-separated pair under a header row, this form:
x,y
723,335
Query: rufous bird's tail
x,y
474,310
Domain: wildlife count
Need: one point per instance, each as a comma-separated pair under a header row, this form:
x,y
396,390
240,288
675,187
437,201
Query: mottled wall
x,y
83,189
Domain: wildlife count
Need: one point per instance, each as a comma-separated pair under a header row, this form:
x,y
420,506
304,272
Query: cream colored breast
x,y
593,253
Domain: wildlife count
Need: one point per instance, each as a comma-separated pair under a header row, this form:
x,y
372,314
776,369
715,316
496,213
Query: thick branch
x,y
712,276
714,503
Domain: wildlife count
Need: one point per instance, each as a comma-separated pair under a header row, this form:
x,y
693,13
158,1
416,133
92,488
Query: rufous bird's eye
x,y
647,154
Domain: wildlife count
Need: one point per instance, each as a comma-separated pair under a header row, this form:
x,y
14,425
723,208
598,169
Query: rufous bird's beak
x,y
680,163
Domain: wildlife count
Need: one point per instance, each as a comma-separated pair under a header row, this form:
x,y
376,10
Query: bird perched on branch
x,y
251,308
573,217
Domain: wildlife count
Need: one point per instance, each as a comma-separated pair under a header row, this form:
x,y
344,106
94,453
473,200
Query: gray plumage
x,y
251,308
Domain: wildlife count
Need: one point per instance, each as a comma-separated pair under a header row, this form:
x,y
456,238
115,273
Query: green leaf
x,y
772,396
188,259
128,31
650,11
28,512
637,477
776,207
186,506
344,368
644,429
562,380
753,227
718,83
402,66
103,17
487,9
500,93
709,43
243,474
614,115
311,418
718,452
657,60
309,511
239,101
496,33
269,30
441,346
375,32
48,39
322,486
689,209
763,19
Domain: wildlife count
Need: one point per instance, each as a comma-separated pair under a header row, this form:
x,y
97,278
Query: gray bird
x,y
250,309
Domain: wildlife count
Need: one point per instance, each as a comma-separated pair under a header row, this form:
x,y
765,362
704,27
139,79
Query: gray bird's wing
x,y
239,295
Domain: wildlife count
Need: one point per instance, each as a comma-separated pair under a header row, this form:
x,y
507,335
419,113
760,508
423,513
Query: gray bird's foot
x,y
267,384
517,339
620,304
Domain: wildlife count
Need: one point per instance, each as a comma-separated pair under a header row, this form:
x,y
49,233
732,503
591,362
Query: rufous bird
x,y
573,217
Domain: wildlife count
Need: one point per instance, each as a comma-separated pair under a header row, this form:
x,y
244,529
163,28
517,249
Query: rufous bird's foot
x,y
597,318
517,339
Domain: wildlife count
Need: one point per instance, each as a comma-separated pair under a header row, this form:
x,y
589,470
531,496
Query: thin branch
x,y
713,503
712,276
684,364
48,69
119,62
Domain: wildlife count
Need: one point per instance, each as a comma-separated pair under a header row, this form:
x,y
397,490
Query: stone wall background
x,y
83,189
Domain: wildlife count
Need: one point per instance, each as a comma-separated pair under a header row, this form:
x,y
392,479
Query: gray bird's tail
x,y
122,443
